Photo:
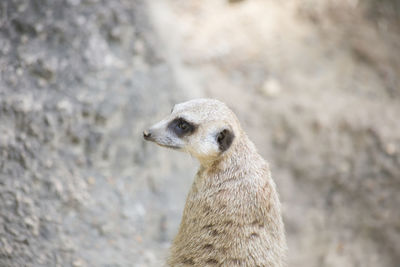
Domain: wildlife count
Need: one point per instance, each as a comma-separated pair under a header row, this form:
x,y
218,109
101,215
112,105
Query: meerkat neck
x,y
236,159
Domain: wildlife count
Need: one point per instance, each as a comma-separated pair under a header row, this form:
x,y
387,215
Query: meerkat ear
x,y
225,139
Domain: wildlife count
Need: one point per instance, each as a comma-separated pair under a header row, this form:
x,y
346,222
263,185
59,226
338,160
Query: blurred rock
x,y
271,88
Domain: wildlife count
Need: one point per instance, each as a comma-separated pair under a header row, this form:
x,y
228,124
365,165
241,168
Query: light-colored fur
x,y
232,215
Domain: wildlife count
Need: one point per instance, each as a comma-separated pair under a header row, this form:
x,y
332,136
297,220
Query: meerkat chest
x,y
201,196
212,201
224,223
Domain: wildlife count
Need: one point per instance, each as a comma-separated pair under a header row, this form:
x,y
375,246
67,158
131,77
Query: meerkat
x,y
232,216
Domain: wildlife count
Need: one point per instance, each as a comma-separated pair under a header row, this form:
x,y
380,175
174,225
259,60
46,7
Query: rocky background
x,y
316,84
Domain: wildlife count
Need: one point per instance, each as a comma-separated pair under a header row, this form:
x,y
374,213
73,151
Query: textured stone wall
x,y
78,187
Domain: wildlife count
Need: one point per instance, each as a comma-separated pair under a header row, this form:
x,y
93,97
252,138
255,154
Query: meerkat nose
x,y
146,135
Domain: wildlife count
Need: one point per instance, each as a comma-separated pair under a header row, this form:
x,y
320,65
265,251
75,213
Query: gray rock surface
x,y
314,83
78,186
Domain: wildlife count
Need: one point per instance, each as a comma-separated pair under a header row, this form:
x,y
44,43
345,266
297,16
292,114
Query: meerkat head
x,y
205,128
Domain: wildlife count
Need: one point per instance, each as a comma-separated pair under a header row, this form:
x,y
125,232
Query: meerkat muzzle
x,y
147,135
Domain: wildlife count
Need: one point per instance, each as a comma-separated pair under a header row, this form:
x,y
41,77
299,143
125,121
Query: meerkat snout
x,y
146,135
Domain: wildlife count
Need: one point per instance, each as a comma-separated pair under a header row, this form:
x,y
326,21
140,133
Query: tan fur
x,y
232,215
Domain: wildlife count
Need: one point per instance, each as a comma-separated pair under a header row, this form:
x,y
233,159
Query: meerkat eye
x,y
181,127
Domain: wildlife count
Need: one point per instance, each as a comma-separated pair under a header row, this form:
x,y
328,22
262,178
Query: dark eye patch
x,y
181,127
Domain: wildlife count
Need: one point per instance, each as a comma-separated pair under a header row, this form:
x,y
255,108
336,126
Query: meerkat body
x,y
232,215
